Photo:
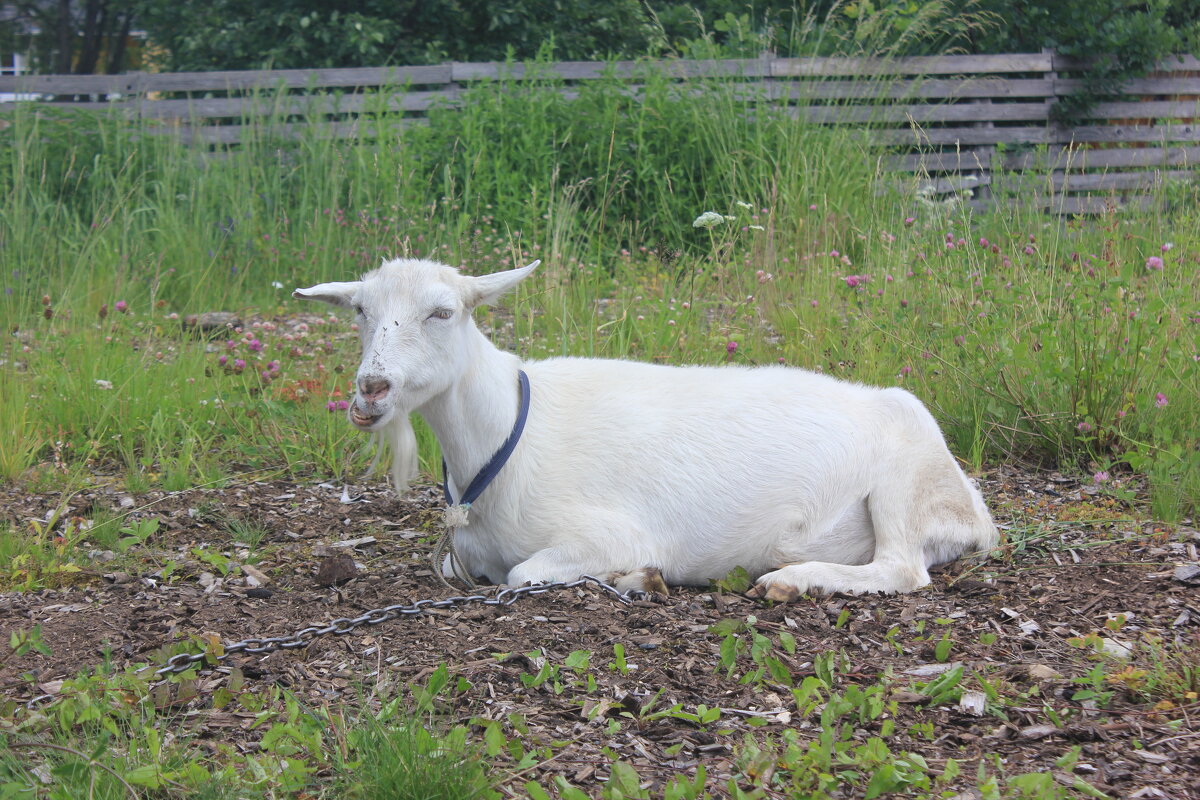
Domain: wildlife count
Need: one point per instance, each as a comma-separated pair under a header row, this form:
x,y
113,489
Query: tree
x,y
1122,39
232,34
70,36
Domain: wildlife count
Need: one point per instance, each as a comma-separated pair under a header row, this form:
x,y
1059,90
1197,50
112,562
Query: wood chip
x,y
1039,731
973,703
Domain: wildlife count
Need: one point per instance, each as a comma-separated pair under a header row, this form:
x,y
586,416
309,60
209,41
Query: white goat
x,y
808,482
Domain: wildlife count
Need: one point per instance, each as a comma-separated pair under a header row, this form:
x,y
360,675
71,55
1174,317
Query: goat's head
x,y
414,318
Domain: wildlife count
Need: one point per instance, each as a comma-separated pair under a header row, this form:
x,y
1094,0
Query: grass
x,y
1031,338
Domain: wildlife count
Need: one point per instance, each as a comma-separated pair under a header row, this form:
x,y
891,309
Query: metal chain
x,y
344,625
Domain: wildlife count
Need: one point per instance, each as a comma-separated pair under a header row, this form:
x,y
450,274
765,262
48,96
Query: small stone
x,y
1041,672
212,321
259,593
1115,648
254,577
336,570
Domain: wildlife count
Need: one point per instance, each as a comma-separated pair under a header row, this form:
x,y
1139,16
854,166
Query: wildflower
x,y
343,405
1084,427
709,219
813,207
1154,263
814,303
834,254
1166,246
103,312
741,204
239,364
122,307
276,285
223,360
103,384
330,406
851,280
1100,477
905,370
731,347
1028,250
960,340
983,242
908,221
273,366
904,304
255,345
1160,400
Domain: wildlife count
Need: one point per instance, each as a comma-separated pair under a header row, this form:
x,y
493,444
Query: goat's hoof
x,y
776,592
647,579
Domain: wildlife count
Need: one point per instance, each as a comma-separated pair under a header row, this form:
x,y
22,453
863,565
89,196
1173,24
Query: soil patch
x,y
1076,566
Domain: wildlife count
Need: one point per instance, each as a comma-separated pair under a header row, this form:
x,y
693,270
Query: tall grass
x,y
1054,341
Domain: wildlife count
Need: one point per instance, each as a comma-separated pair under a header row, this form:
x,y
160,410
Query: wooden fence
x,y
958,123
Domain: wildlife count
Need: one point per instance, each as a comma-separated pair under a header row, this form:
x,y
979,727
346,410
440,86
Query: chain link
x,y
376,616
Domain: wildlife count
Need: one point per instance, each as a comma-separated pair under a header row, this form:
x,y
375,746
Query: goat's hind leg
x,y
923,511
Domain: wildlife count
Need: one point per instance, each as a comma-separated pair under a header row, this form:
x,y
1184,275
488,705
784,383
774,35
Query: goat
x,y
807,482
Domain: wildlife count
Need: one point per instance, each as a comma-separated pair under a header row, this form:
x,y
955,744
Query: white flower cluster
x,y
709,219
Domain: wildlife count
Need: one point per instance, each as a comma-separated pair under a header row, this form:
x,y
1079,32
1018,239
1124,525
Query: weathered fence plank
x,y
950,113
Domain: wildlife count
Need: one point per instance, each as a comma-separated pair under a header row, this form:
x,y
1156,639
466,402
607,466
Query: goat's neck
x,y
476,414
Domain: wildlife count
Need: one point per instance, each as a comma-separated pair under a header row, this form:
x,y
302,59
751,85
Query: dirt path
x,y
1018,626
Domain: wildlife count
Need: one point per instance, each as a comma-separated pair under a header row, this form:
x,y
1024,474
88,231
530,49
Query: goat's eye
x,y
442,313
359,310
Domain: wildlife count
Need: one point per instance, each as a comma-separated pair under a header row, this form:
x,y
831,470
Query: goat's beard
x,y
399,435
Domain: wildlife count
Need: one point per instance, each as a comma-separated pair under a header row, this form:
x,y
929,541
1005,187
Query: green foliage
x,y
1122,40
320,33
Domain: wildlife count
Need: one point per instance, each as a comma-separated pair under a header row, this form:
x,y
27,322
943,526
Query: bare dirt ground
x,y
1075,562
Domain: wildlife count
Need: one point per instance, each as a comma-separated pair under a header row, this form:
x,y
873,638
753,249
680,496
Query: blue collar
x,y
492,468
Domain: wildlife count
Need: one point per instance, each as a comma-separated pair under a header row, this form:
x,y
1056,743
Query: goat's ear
x,y
487,289
339,293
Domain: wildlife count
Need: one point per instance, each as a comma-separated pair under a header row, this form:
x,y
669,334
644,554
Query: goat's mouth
x,y
363,420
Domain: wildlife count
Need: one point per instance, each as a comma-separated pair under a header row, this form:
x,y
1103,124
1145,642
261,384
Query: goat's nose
x,y
373,388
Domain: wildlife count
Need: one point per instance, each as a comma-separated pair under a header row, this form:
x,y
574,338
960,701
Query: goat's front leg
x,y
557,564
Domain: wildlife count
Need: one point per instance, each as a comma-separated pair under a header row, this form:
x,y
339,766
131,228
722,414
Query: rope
x,y
478,484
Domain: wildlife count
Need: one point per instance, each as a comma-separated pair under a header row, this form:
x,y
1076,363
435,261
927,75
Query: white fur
x,y
808,482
